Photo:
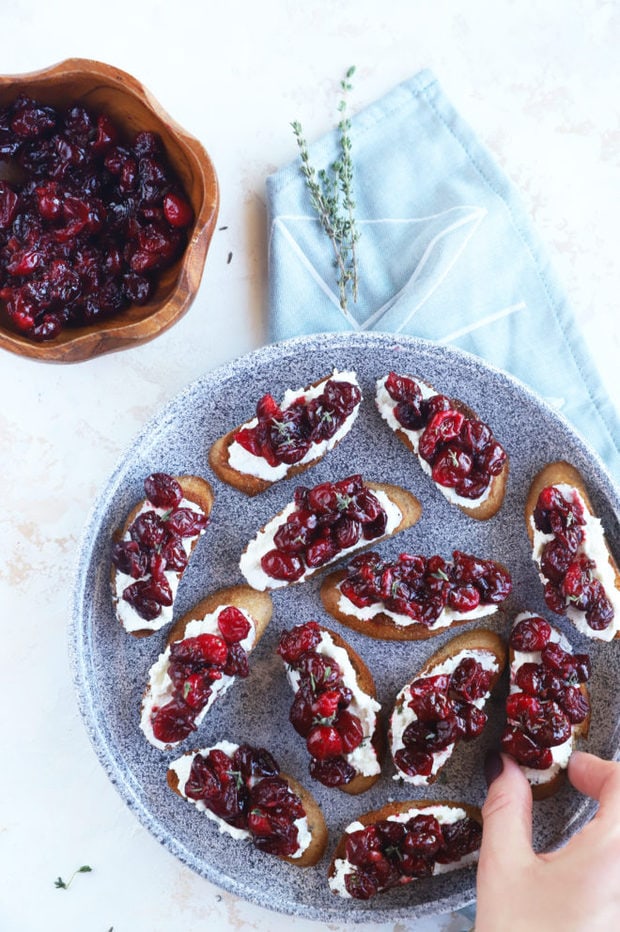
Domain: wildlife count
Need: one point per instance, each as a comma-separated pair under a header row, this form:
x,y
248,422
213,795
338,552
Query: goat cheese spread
x,y
250,562
403,714
386,405
243,461
594,547
445,815
129,617
561,752
182,767
364,757
160,687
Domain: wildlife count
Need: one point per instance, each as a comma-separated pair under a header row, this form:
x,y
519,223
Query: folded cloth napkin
x,y
446,252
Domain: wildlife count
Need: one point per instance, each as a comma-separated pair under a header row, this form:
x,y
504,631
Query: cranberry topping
x,y
462,451
570,574
195,664
547,700
91,223
245,790
387,854
422,587
320,711
155,545
445,713
286,435
327,519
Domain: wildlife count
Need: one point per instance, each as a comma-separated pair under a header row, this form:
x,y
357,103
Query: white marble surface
x,y
539,82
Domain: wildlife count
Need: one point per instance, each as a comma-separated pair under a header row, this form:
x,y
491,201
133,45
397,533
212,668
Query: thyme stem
x,y
331,196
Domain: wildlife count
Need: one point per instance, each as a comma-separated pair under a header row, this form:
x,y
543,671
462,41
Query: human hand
x,y
573,889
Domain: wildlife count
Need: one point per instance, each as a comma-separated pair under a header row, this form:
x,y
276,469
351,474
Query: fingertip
x,y
507,810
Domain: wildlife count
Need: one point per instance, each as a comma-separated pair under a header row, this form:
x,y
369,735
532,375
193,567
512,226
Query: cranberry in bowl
x,y
107,207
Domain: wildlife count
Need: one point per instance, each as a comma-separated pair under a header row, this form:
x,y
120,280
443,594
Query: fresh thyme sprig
x,y
61,884
331,196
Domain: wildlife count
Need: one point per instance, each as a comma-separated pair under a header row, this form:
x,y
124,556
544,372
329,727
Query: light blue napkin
x,y
446,252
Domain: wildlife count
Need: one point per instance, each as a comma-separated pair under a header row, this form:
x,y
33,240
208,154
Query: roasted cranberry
x,y
162,490
172,722
236,661
280,565
431,736
530,634
470,680
349,727
429,698
414,762
324,741
129,558
336,771
298,640
233,624
459,838
525,749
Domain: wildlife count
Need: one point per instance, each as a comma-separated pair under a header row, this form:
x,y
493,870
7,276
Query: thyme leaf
x,y
61,884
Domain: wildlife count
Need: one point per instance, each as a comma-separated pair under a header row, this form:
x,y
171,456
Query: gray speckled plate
x,y
111,667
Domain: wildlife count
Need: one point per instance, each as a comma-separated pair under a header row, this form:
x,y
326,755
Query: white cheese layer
x,y
445,815
386,406
250,564
447,617
244,461
127,614
403,714
594,547
561,752
364,757
160,687
182,767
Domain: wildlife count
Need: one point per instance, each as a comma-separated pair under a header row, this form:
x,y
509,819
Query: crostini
x,y
414,597
444,704
579,573
285,439
548,708
242,789
325,524
453,446
403,842
151,551
335,707
206,649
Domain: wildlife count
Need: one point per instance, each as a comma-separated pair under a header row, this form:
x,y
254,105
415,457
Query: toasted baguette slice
x,y
198,492
202,618
607,571
357,677
315,826
377,621
442,810
546,783
481,510
483,645
252,484
407,511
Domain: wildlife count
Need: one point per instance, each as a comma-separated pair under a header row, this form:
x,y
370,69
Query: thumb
x,y
597,778
506,814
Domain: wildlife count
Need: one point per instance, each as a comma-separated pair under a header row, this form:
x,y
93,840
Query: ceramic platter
x,y
111,667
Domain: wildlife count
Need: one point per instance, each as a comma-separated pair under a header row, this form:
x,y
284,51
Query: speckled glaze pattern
x,y
111,667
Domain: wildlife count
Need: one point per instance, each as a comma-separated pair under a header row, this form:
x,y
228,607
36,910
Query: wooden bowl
x,y
101,87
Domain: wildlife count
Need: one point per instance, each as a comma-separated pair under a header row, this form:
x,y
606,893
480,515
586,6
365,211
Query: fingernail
x,y
493,766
